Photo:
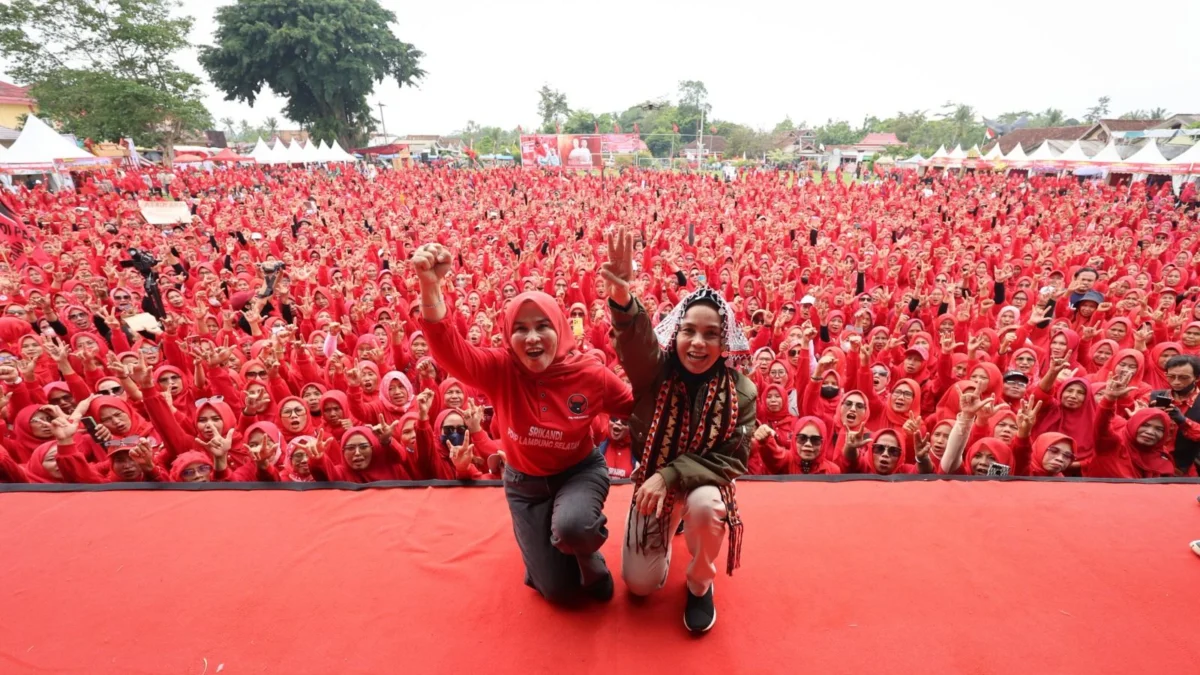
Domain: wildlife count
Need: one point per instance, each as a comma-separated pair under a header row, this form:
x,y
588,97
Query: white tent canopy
x,y
941,153
40,148
1108,155
994,153
340,155
1017,154
1149,154
261,152
1189,156
1074,153
324,152
958,153
310,154
294,153
1043,152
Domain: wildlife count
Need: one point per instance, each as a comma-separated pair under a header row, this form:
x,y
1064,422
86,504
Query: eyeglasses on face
x,y
854,405
112,391
256,374
804,439
198,470
292,412
884,449
903,393
461,429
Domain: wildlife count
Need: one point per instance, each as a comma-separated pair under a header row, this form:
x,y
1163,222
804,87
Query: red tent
x,y
188,159
228,155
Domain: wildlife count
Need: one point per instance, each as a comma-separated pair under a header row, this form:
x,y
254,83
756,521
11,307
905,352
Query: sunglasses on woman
x,y
883,449
460,429
805,439
111,391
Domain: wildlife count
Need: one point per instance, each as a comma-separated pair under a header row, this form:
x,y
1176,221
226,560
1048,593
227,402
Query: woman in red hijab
x,y
545,396
1133,448
806,454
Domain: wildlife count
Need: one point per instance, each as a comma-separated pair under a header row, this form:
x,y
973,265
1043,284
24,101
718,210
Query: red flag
x,y
557,128
595,127
712,129
636,130
616,128
675,127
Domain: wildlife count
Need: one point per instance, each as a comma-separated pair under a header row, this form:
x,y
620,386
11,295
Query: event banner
x,y
576,151
165,213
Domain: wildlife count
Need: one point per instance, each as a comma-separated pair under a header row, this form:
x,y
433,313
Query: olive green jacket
x,y
646,365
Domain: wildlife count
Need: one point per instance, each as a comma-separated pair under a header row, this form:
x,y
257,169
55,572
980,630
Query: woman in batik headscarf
x,y
693,417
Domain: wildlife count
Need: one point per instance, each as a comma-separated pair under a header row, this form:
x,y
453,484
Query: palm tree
x,y
1159,114
227,125
271,126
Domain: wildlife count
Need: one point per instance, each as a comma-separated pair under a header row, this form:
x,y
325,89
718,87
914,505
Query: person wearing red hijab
x,y
545,395
1133,448
806,454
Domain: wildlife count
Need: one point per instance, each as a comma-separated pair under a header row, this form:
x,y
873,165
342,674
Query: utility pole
x,y
700,141
383,122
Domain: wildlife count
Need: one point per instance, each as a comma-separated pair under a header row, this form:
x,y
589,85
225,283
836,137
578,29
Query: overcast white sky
x,y
762,60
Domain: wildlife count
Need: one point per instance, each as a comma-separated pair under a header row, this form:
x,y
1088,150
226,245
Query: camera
x,y
270,270
1160,401
140,260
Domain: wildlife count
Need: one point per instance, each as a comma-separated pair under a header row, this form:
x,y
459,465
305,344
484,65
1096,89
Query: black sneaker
x,y
601,590
700,614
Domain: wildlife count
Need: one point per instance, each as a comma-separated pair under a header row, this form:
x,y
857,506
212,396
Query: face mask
x,y
455,438
804,279
1186,391
829,391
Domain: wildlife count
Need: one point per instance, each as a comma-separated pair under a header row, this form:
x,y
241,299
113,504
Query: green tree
x,y
837,133
271,126
245,131
784,126
1098,111
227,126
1159,114
104,69
693,93
1135,115
323,56
552,108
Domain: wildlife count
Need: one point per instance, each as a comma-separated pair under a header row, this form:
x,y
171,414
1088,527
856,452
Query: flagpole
x,y
700,141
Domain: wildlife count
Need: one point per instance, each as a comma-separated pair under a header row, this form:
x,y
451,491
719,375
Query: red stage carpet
x,y
861,577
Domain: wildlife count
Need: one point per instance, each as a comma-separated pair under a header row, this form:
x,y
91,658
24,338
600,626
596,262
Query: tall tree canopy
x,y
103,69
323,56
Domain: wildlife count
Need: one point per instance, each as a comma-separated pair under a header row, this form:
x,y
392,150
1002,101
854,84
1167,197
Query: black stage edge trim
x,y
392,484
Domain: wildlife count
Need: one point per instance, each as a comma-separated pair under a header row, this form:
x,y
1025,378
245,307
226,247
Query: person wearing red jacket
x,y
545,396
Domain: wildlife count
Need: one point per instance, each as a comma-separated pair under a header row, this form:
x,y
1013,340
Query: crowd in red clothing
x,y
978,324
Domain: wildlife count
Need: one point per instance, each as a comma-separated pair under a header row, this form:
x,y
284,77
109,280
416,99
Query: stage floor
x,y
855,577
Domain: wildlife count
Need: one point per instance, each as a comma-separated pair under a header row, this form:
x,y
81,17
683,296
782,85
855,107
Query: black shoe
x,y
601,590
700,614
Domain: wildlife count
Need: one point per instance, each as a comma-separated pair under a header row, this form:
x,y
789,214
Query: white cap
x,y
808,300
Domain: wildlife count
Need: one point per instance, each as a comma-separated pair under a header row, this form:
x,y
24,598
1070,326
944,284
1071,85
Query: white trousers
x,y
703,516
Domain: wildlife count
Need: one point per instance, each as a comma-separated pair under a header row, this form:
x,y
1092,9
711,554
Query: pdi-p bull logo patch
x,y
577,404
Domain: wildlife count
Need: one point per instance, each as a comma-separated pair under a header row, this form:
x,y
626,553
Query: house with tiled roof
x,y
14,102
1103,130
1031,138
